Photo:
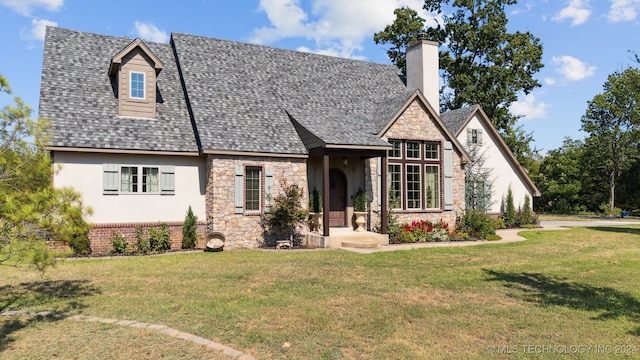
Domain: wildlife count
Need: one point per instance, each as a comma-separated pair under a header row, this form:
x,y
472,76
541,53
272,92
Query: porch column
x,y
384,201
325,195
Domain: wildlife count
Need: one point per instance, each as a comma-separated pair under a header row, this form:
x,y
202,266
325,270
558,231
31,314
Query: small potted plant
x,y
316,210
360,209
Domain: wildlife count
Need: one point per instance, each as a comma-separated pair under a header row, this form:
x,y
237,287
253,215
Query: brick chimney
x,y
422,70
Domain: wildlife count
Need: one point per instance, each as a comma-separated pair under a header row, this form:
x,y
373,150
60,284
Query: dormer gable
x,y
136,69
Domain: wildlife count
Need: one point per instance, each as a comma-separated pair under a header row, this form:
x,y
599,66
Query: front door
x,y
337,198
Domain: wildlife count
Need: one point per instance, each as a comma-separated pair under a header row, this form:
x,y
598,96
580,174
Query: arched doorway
x,y
337,198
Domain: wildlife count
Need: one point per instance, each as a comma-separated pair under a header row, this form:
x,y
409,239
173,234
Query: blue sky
x,y
584,40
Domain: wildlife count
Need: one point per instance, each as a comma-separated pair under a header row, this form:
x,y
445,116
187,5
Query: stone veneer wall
x,y
416,124
245,230
100,235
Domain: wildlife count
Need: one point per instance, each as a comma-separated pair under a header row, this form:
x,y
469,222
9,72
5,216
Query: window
x,y
137,85
413,187
252,189
432,186
416,178
432,151
130,179
413,150
474,136
396,152
395,186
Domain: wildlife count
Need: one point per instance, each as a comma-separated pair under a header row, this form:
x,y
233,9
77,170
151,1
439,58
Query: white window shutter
x,y
479,136
268,188
238,187
167,180
110,179
448,175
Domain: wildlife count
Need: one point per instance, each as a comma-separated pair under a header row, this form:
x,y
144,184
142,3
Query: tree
x,y
561,179
612,122
189,233
478,182
31,210
401,34
481,63
287,211
509,214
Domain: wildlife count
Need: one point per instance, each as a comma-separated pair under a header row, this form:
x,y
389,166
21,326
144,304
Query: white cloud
x,y
623,10
37,31
151,32
549,81
571,68
577,10
337,27
25,7
529,108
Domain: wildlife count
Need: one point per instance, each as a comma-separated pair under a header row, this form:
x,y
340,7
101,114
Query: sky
x,y
584,41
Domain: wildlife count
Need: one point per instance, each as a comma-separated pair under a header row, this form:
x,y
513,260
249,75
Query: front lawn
x,y
552,293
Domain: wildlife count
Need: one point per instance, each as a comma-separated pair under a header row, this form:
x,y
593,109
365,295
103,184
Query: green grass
x,y
575,287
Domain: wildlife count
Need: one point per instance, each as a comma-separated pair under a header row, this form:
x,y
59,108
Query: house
x,y
144,130
500,169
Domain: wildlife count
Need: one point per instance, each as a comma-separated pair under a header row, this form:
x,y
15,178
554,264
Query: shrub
x,y
425,230
403,236
159,240
510,210
498,223
118,243
393,227
315,201
80,244
493,237
142,243
477,224
360,202
606,210
286,211
189,234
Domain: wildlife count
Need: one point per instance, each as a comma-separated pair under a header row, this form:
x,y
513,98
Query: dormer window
x,y
136,69
137,85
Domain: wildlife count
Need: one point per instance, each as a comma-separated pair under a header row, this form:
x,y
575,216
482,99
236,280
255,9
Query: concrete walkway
x,y
507,235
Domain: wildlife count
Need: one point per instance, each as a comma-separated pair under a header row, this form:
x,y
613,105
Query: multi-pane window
x,y
252,189
150,179
432,186
396,151
413,187
137,85
413,149
395,186
414,175
432,150
129,179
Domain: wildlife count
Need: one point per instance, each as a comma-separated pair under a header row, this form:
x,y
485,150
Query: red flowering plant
x,y
425,230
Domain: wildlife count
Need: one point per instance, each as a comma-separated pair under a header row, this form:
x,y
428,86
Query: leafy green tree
x,y
478,182
612,122
481,62
287,211
401,34
561,178
31,210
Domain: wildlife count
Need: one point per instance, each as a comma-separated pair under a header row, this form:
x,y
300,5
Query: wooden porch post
x,y
384,201
325,194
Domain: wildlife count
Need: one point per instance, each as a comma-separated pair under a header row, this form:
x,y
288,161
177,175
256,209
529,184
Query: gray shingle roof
x,y
456,119
77,96
239,93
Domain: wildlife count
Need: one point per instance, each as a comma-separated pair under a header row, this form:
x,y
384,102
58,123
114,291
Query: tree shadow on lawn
x,y
63,297
548,290
616,229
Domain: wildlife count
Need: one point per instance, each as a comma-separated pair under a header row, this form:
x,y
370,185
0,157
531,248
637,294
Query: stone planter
x,y
361,220
316,221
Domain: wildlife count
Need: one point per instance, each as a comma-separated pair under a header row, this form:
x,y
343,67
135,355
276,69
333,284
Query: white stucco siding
x,y
502,170
84,172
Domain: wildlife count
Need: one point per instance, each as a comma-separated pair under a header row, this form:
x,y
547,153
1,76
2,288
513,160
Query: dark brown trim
x,y
325,195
